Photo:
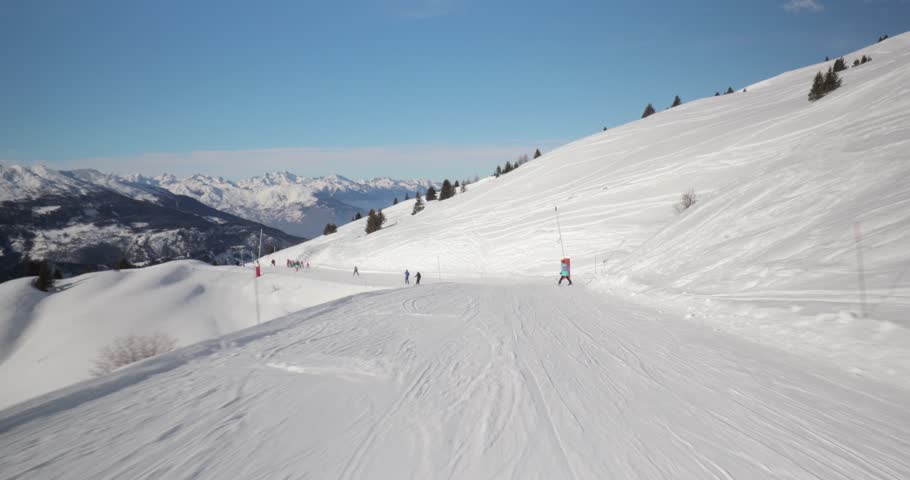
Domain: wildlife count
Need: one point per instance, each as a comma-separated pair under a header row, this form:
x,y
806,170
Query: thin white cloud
x,y
796,6
418,161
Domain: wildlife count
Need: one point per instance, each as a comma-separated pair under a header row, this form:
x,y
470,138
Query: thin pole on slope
x,y
559,229
438,269
256,295
858,236
260,245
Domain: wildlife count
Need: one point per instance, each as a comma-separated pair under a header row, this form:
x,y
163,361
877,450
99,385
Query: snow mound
x,y
55,337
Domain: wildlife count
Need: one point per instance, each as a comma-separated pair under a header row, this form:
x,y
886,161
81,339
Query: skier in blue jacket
x,y
564,273
407,277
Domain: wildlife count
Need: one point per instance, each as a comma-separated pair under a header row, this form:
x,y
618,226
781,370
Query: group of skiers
x,y
407,276
296,264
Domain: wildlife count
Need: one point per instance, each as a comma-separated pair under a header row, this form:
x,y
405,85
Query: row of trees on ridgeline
x,y
509,166
839,65
447,190
47,273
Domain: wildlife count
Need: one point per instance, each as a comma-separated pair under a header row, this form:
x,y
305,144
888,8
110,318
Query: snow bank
x,y
50,340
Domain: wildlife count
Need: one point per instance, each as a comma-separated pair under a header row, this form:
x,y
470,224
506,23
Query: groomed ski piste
x,y
729,341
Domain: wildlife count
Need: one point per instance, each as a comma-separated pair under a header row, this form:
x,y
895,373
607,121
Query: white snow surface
x,y
49,341
724,342
467,381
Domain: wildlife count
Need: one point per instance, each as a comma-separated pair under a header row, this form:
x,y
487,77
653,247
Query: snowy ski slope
x,y
780,183
466,381
769,250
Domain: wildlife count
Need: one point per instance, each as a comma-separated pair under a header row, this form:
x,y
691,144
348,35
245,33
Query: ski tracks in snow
x,y
468,381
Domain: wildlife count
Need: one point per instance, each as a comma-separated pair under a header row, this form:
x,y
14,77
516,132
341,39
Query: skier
x,y
273,262
564,273
355,271
307,265
418,278
407,277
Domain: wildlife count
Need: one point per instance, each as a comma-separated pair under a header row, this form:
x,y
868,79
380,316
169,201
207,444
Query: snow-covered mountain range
x,y
298,205
84,218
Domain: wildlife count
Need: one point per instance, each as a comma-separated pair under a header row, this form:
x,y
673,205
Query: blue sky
x,y
403,88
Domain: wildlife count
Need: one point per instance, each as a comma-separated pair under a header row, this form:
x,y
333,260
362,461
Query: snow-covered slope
x,y
466,381
298,205
50,340
781,184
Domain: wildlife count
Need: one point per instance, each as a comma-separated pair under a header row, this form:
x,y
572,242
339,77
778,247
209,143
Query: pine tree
x,y
123,264
407,197
508,168
431,193
464,186
456,184
498,171
381,217
605,129
716,94
395,202
818,87
863,60
856,63
649,110
418,204
676,102
446,191
45,279
729,91
840,65
374,222
329,229
832,81
358,216
537,153
827,59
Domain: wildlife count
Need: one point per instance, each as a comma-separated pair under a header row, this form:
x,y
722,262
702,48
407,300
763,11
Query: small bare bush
x,y
130,349
687,200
